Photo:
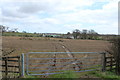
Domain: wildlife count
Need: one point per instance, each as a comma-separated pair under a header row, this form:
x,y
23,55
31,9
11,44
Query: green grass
x,y
29,77
105,75
71,75
66,74
20,34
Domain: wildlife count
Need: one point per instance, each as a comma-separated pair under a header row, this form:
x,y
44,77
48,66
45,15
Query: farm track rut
x,y
76,66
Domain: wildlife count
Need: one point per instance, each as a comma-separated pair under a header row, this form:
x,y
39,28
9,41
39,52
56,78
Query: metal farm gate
x,y
45,63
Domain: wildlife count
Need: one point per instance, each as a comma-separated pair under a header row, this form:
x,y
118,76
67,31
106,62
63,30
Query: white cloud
x,y
0,16
45,5
68,14
101,16
73,26
107,17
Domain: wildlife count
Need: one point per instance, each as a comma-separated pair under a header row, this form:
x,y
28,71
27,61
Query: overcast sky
x,y
60,16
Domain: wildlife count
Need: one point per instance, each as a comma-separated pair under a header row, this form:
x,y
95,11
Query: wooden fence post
x,y
111,63
103,62
6,67
19,64
117,66
22,65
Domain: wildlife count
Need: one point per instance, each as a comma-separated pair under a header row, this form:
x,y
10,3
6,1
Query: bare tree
x,y
15,29
92,34
84,33
3,28
68,33
76,33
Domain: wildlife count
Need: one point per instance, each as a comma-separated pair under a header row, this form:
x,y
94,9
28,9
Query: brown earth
x,y
23,45
17,45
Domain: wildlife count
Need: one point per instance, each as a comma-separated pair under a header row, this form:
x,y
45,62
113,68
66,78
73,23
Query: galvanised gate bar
x,y
46,63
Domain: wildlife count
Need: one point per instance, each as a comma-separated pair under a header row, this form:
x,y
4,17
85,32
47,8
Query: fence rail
x,y
45,63
11,71
109,63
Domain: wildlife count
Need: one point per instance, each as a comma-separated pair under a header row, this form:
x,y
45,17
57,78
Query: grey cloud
x,y
23,9
12,13
8,19
33,7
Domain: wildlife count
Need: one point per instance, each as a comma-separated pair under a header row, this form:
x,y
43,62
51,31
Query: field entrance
x,y
45,63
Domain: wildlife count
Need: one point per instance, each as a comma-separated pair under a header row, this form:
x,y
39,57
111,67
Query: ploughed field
x,y
18,45
14,46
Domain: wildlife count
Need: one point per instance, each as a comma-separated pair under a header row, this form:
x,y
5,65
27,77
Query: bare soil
x,y
34,44
17,45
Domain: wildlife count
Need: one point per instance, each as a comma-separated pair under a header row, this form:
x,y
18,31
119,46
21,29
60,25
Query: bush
x,y
115,51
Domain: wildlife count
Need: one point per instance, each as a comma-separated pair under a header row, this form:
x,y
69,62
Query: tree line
x,y
75,34
84,34
7,29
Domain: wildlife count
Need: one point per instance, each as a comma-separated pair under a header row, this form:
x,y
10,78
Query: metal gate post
x,y
22,62
27,63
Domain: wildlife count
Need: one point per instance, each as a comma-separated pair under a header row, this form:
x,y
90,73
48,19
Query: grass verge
x,y
105,75
66,74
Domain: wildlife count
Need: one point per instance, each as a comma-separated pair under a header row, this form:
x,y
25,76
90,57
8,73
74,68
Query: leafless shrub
x,y
115,51
25,38
6,52
60,40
